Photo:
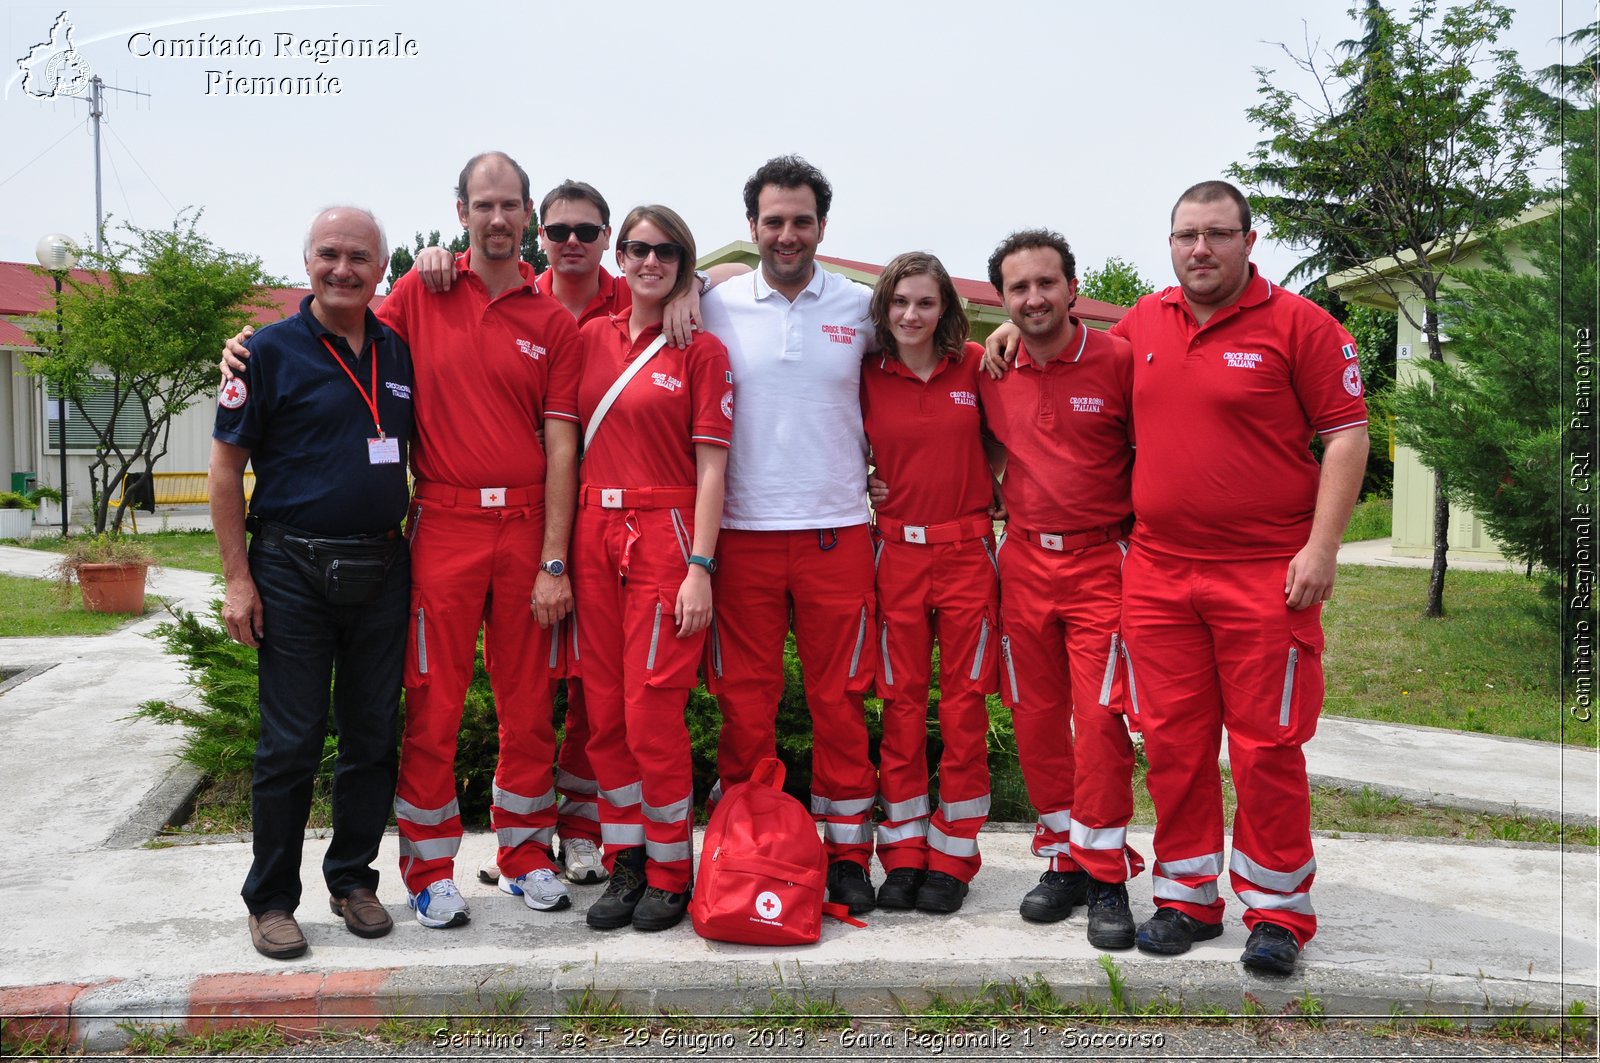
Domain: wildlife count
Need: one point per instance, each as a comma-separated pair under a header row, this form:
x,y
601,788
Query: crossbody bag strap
x,y
610,397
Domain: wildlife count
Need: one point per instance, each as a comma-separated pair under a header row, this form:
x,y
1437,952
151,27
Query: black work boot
x,y
660,909
1110,921
850,885
614,909
1170,932
899,890
941,893
1052,899
1271,949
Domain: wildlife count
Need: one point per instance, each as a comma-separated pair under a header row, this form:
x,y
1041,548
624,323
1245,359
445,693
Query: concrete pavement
x,y
111,931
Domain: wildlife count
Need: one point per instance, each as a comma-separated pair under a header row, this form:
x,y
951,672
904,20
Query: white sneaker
x,y
539,890
582,858
441,905
489,874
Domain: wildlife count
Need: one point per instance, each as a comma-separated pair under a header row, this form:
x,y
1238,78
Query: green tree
x,y
1117,282
1497,419
143,333
401,258
1417,142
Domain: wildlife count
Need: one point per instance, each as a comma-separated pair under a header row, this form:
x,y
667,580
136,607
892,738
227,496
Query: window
x,y
84,434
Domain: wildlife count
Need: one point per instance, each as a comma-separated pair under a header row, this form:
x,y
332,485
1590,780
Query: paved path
x,y
117,932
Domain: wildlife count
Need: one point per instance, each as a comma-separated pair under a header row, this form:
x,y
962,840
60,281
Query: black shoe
x,y
850,885
1270,950
899,890
941,893
1052,899
1110,921
1170,932
614,909
660,910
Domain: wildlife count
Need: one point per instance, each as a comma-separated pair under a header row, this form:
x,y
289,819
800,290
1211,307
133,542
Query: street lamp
x,y
56,254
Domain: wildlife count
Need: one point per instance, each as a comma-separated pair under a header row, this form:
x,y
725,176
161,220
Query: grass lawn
x,y
30,608
1373,518
1491,664
195,550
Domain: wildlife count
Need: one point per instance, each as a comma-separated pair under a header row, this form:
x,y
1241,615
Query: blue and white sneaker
x,y
539,890
441,905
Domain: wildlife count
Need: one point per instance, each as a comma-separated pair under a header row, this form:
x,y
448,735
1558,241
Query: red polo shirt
x,y
680,398
1067,432
613,298
926,437
488,372
1226,415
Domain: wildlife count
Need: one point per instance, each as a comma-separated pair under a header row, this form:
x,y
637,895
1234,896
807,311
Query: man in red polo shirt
x,y
1233,555
1062,415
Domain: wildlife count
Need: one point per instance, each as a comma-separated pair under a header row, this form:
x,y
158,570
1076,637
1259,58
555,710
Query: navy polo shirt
x,y
307,427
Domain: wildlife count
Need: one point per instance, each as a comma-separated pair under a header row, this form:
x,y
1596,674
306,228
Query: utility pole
x,y
97,115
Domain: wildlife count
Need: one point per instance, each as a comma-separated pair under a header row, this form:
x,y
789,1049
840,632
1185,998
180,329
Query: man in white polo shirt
x,y
795,546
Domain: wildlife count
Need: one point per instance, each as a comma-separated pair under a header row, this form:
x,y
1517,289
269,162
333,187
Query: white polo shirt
x,y
799,455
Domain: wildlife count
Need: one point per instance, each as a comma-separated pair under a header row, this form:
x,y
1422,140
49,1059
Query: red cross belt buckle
x,y
1050,542
611,498
492,497
914,533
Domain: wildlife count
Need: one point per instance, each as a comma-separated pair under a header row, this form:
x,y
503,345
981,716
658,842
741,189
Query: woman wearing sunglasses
x,y
658,421
936,579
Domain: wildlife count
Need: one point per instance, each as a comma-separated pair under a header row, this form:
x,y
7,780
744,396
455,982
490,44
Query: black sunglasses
x,y
586,232
638,251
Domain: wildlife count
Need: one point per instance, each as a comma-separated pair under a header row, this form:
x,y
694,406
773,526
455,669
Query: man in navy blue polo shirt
x,y
324,415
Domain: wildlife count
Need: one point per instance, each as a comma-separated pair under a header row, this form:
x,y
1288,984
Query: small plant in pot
x,y
38,496
110,571
16,515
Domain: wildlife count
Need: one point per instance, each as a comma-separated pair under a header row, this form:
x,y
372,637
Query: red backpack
x,y
763,870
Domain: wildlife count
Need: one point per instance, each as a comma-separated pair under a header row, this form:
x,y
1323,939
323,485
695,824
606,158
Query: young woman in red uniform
x,y
658,421
936,579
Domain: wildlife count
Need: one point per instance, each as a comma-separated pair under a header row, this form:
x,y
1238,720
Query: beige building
x,y
1377,284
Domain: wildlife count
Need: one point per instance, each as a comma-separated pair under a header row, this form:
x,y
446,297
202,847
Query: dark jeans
x,y
307,644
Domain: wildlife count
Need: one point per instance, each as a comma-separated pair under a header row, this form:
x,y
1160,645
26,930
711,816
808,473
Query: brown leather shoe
x,y
277,936
363,913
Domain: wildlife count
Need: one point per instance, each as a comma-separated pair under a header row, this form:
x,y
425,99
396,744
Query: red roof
x,y
983,293
26,291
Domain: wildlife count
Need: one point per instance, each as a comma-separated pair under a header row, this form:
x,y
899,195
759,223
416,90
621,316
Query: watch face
x,y
555,568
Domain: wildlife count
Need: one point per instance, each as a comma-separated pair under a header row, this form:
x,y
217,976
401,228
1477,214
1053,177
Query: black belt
x,y
271,533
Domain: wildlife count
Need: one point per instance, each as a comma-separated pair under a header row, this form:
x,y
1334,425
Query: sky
x,y
942,124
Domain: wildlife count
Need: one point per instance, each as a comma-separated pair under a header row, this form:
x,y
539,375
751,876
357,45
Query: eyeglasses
x,y
638,251
1213,237
586,232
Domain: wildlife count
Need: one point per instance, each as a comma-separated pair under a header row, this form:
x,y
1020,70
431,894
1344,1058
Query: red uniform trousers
x,y
627,565
949,590
820,581
1210,644
577,810
474,568
1059,611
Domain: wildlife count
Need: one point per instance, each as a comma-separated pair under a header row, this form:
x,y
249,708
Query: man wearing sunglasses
x,y
1233,554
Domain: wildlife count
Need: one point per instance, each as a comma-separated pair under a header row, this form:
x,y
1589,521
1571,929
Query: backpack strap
x,y
840,912
770,772
610,397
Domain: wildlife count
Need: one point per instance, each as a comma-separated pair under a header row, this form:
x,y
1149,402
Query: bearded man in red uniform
x,y
1233,555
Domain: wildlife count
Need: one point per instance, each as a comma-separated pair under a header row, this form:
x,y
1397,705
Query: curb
x,y
100,1017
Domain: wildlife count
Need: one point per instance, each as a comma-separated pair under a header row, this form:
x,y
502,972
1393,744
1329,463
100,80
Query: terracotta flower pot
x,y
112,588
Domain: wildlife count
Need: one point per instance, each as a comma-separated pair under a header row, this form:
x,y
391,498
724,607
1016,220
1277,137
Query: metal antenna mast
x,y
97,115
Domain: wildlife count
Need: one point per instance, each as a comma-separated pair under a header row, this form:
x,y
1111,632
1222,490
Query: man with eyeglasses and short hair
x,y
1233,553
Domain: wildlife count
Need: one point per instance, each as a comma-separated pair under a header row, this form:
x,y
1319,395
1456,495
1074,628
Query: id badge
x,y
384,450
